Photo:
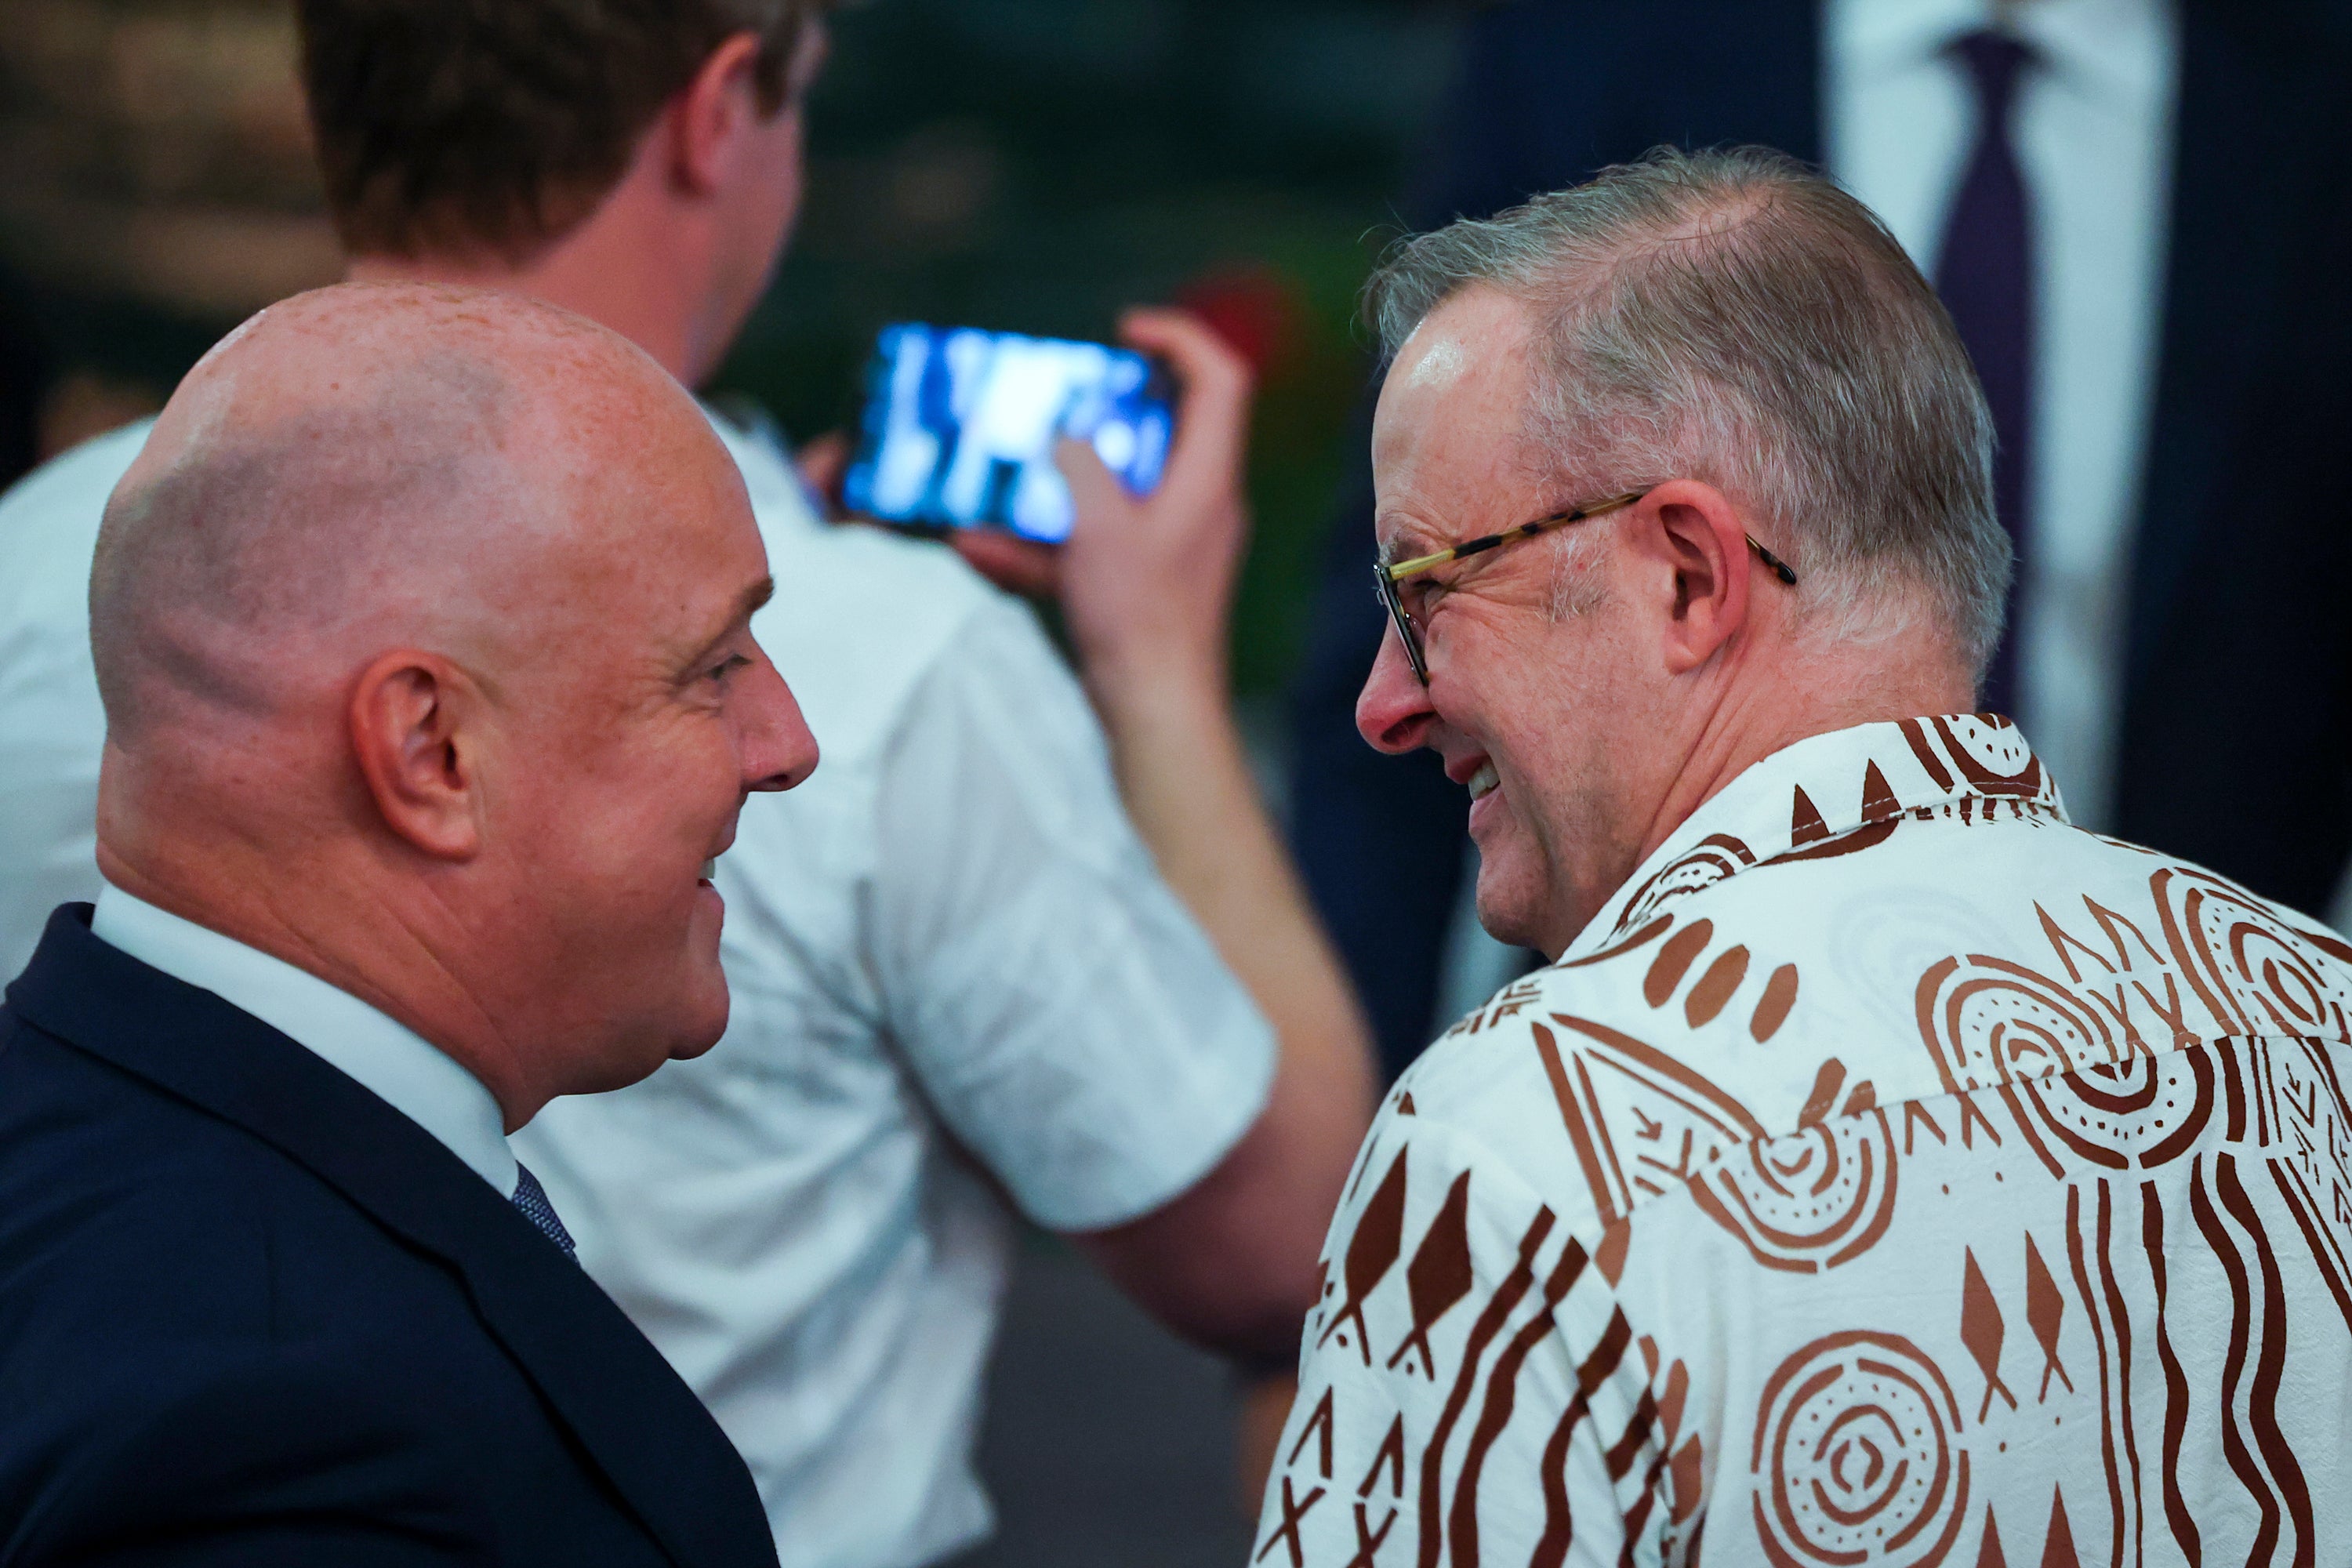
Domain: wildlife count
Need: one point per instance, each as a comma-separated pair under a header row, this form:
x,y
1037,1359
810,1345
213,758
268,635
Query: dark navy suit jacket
x,y
2236,740
251,1315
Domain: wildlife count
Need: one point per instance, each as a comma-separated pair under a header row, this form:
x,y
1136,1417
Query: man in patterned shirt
x,y
1886,1172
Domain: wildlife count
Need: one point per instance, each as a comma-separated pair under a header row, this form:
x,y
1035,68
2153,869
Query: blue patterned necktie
x,y
1985,274
531,1198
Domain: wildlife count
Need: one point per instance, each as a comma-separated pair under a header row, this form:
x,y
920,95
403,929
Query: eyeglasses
x,y
1385,577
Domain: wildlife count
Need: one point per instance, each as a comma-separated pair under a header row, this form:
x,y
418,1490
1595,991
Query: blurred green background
x,y
1025,164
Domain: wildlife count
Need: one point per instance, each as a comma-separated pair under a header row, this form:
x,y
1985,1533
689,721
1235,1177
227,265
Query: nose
x,y
778,750
1392,712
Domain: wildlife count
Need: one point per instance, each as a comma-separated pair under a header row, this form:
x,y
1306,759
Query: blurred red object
x,y
1256,309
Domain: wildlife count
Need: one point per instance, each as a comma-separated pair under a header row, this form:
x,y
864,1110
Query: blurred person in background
x,y
1008,952
1886,1172
423,628
2138,216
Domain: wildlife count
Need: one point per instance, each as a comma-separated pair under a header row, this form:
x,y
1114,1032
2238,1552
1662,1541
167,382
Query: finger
x,y
1017,565
1096,494
1190,346
1213,414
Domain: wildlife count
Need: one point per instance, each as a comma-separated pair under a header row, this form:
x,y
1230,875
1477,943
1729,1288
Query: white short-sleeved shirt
x,y
51,727
956,975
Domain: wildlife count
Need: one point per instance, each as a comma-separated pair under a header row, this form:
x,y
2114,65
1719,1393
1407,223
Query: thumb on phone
x,y
1137,592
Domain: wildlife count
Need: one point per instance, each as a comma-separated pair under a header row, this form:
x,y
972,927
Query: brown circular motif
x,y
1808,1200
1858,1458
2142,1110
2256,973
1992,753
1988,1021
1705,863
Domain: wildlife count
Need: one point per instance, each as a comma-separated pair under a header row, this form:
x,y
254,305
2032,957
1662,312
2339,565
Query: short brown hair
x,y
472,126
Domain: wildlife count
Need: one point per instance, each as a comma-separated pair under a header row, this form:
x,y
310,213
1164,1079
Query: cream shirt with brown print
x,y
1893,1173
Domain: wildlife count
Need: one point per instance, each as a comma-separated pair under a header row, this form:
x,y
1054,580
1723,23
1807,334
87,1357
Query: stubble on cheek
x,y
1579,837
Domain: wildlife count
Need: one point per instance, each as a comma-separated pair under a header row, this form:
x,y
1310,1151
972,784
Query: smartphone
x,y
959,426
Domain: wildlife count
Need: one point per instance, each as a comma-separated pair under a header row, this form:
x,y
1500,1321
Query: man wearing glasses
x,y
1885,1171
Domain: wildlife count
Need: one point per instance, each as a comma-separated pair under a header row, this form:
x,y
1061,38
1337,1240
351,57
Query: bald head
x,y
357,464
422,625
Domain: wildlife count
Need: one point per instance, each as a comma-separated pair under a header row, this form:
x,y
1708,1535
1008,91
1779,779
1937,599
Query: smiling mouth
x,y
1482,782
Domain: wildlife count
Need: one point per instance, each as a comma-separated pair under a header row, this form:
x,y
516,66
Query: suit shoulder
x,y
158,1367
129,1218
114,1195
200,1332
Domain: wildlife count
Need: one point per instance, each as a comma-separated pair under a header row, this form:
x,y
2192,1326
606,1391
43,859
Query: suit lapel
x,y
642,1427
2236,202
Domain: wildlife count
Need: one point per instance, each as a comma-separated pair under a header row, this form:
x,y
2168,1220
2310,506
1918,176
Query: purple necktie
x,y
1985,274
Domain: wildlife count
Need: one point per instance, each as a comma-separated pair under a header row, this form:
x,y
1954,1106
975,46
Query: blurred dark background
x,y
159,188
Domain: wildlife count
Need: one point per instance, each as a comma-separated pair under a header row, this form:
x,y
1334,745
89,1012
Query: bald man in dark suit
x,y
415,756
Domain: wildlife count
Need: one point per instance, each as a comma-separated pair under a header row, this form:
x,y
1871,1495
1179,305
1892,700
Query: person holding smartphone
x,y
1023,942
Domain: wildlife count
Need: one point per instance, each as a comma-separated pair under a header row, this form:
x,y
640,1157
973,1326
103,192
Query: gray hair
x,y
1735,316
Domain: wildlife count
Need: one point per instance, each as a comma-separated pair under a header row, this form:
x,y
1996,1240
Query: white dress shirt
x,y
391,1060
2093,126
956,975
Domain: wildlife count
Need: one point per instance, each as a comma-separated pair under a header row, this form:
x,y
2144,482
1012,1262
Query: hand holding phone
x,y
1145,556
960,424
1147,582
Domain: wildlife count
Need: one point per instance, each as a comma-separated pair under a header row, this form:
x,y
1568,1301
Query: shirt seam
x,y
1686,1182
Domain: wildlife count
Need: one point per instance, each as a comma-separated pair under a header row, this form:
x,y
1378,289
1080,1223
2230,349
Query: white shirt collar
x,y
398,1064
1833,793
1876,37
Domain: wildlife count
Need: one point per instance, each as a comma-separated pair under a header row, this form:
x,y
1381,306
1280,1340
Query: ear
x,y
712,113
1697,543
417,731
